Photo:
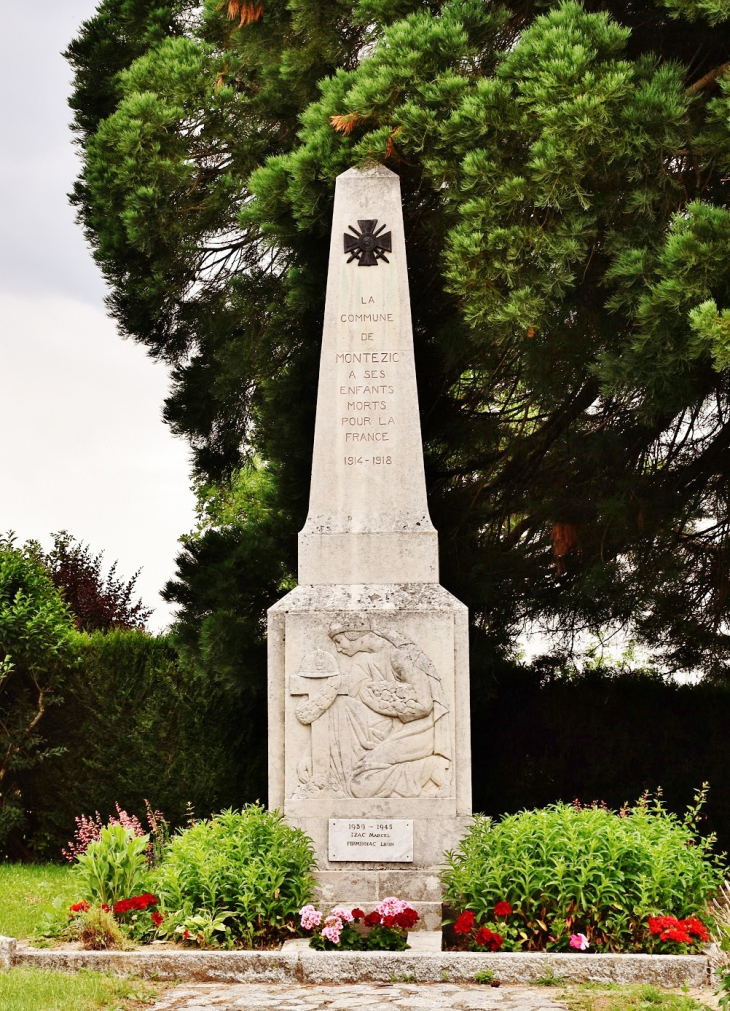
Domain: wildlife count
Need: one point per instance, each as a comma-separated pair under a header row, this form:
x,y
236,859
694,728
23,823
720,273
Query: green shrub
x,y
566,870
249,862
113,867
38,645
117,749
723,992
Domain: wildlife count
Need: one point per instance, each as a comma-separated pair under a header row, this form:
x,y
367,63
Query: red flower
x,y
502,909
372,919
669,928
186,935
464,923
693,925
407,919
358,914
137,902
105,907
157,918
657,924
80,907
388,921
676,934
487,939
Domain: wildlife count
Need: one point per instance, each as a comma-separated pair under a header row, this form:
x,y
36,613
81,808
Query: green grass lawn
x,y
27,890
638,997
40,990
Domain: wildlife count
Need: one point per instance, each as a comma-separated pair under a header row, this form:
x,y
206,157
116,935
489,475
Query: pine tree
x,y
565,175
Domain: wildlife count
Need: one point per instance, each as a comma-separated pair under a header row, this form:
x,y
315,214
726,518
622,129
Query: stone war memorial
x,y
369,746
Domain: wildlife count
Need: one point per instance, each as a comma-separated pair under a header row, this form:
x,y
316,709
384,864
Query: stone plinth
x,y
329,769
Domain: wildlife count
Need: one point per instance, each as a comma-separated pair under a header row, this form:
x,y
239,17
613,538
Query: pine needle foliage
x,y
565,172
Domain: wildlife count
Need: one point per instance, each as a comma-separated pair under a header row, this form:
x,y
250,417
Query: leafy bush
x,y
724,991
565,870
248,862
38,644
203,929
113,867
117,750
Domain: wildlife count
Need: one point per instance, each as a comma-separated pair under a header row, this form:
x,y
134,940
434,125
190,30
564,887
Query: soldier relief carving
x,y
380,729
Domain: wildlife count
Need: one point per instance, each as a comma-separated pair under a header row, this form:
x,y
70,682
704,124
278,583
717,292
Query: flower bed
x,y
234,880
384,929
565,879
569,878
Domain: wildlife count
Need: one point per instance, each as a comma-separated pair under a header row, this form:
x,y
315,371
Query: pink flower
x,y
391,906
311,917
332,928
579,941
88,830
342,914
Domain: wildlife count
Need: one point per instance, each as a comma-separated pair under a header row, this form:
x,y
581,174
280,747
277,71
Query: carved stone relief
x,y
380,726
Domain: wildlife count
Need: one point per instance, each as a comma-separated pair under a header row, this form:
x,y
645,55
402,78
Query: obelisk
x,y
369,748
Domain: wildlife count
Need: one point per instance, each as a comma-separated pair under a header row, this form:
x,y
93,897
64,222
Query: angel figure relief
x,y
381,730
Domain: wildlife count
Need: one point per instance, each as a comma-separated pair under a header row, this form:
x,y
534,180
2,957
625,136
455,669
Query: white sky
x,y
82,443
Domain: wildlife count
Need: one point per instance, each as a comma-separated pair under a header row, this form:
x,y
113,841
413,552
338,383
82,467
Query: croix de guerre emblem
x,y
367,246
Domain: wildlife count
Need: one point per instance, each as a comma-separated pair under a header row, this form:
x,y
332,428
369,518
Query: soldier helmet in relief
x,y
318,663
350,623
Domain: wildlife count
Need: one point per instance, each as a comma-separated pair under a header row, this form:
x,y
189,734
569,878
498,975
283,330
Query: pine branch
x,y
710,77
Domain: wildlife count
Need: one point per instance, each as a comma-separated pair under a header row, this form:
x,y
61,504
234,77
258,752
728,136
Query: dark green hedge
x,y
600,735
136,723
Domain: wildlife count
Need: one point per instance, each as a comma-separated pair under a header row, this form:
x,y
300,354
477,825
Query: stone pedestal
x,y
326,769
369,739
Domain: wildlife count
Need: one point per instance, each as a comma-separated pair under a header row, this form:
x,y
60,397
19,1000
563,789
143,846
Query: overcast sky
x,y
82,443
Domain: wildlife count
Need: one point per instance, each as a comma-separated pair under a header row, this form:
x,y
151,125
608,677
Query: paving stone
x,y
360,997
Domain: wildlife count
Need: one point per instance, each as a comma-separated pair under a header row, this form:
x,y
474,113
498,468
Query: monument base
x,y
364,885
369,741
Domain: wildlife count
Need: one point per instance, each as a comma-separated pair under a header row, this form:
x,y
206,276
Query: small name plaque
x,y
384,840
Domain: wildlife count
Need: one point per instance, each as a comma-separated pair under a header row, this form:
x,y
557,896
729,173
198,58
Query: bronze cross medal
x,y
367,246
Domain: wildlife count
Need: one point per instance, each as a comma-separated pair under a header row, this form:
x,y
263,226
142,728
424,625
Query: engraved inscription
x,y
367,420
379,730
369,839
